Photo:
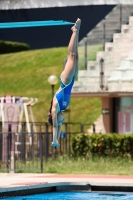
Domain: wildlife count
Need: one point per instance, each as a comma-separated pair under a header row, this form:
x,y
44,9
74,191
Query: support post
x,y
41,155
104,35
86,53
46,141
12,162
102,73
52,89
7,152
120,16
94,128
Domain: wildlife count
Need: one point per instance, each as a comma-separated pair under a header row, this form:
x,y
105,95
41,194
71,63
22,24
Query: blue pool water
x,y
76,196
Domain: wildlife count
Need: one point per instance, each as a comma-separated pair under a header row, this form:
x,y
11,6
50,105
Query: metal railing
x,y
24,152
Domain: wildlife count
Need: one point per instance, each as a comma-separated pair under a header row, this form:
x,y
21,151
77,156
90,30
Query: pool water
x,y
76,196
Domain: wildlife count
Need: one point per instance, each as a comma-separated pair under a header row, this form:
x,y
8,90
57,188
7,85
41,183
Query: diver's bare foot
x,y
77,24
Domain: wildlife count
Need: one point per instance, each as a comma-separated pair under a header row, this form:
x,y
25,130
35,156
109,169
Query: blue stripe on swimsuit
x,y
63,96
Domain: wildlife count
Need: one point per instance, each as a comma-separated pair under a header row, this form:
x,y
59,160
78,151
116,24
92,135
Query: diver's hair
x,y
50,115
50,119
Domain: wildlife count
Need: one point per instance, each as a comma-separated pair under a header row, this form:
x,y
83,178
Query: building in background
x,y
110,76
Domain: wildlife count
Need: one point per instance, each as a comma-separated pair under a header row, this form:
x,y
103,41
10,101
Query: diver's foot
x,y
77,24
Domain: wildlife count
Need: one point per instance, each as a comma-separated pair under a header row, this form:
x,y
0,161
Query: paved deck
x,y
10,182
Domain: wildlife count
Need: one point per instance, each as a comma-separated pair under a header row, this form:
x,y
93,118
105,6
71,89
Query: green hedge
x,y
103,145
10,47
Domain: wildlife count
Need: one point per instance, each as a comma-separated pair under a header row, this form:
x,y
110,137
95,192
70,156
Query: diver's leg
x,y
76,58
73,45
71,64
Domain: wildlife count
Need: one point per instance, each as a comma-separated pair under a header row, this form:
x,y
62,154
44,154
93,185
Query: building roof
x,y
26,4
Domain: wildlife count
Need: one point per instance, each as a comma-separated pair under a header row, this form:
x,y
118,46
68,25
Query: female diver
x,y
61,98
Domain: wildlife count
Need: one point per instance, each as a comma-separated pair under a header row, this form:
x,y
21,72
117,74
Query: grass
x,y
26,74
94,165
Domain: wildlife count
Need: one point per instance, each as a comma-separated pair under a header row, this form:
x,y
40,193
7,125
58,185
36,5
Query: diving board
x,y
34,24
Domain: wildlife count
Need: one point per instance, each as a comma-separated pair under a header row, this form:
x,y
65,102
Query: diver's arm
x,y
59,131
60,121
55,125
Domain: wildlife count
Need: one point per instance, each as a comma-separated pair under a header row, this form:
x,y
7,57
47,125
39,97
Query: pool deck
x,y
16,182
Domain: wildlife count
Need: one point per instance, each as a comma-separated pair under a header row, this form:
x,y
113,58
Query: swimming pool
x,y
76,196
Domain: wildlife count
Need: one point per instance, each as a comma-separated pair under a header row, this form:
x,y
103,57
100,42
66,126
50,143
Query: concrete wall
x,y
24,4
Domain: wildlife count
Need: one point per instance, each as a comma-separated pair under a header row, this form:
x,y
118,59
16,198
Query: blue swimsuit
x,y
63,96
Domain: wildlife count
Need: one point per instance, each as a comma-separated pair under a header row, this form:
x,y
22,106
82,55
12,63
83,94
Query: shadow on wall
x,y
54,36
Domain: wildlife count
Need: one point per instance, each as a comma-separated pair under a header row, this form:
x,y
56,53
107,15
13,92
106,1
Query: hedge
x,y
10,47
103,144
